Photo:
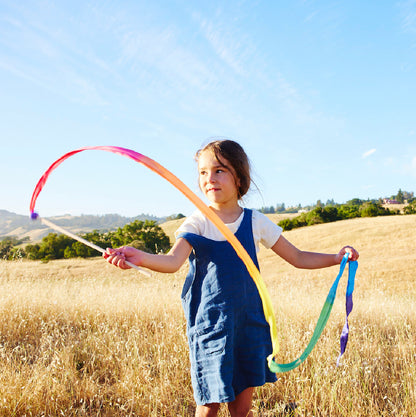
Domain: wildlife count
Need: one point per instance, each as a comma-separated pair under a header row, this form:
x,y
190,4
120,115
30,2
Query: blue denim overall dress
x,y
228,335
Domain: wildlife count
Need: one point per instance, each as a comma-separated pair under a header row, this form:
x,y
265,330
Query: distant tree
x,y
410,208
286,224
373,209
175,217
148,232
369,210
9,249
69,252
100,239
6,246
16,253
53,246
292,210
33,251
347,211
330,214
83,251
280,208
355,202
409,196
400,196
314,216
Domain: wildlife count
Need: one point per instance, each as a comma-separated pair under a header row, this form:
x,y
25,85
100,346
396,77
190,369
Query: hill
x,y
12,224
20,226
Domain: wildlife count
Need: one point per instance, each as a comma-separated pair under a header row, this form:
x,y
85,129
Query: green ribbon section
x,y
323,318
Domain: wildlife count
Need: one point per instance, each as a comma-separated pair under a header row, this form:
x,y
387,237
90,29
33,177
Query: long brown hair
x,y
233,153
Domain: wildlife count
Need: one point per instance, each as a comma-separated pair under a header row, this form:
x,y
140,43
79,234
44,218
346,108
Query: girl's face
x,y
217,181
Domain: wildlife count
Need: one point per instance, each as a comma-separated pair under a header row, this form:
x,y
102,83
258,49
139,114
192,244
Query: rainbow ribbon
x,y
323,318
229,236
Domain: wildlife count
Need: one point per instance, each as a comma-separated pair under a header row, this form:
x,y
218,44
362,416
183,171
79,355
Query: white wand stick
x,y
86,242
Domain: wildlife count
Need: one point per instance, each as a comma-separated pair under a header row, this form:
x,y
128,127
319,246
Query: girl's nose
x,y
211,177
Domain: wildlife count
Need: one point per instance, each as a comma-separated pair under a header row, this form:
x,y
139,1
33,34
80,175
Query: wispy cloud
x,y
147,51
408,15
368,153
310,16
31,40
233,47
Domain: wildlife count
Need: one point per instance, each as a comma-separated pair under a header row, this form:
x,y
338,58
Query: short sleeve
x,y
192,224
264,230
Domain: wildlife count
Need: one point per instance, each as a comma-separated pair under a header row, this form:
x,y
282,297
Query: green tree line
x,y
353,208
144,235
401,197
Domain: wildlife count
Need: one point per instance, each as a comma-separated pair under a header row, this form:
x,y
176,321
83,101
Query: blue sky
x,y
321,94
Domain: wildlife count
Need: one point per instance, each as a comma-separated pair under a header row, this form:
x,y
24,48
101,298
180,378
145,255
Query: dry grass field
x,y
82,338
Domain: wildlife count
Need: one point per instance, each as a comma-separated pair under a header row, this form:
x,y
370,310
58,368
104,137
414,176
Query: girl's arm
x,y
310,260
169,262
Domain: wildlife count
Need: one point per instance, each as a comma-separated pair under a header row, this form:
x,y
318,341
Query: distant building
x,y
388,201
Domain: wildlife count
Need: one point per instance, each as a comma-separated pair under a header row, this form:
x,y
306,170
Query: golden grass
x,y
82,338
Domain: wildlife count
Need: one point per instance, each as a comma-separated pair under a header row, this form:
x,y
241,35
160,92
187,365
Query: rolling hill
x,y
12,224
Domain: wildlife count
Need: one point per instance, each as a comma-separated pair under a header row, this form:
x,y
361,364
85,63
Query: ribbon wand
x,y
87,243
230,237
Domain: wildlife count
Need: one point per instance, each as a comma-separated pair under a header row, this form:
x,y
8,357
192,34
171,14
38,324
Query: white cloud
x,y
368,153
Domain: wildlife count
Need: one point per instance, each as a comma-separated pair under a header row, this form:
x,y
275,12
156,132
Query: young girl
x,y
221,302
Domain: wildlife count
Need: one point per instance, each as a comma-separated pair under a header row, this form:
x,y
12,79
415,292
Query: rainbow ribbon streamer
x,y
324,316
229,236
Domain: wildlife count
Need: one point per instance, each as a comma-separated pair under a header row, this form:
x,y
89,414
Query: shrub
x,y
410,209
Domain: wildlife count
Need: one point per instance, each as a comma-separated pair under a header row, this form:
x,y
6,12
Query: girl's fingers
x,y
120,263
118,256
353,254
115,257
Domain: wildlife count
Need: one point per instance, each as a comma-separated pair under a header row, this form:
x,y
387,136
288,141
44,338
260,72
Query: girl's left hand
x,y
353,254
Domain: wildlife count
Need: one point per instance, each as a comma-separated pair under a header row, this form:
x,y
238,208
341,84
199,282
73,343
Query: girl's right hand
x,y
353,254
118,256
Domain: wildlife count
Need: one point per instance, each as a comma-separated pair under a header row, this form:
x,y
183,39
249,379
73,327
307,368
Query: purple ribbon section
x,y
352,269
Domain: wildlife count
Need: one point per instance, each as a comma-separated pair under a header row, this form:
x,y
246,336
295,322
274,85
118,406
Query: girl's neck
x,y
227,214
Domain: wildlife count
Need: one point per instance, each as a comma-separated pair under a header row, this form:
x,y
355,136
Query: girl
x,y
221,302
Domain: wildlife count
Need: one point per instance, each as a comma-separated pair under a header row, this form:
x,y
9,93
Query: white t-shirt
x,y
264,230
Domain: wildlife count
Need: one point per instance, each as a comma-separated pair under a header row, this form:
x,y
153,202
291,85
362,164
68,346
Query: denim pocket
x,y
210,340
